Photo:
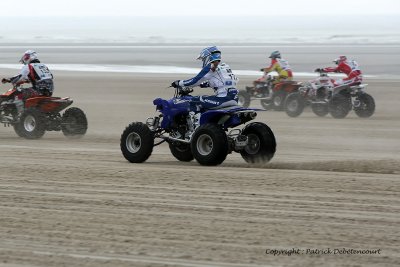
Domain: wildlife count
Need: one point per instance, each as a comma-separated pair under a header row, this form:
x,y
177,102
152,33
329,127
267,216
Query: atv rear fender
x,y
48,104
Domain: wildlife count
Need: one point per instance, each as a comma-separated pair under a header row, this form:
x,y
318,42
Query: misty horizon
x,y
381,29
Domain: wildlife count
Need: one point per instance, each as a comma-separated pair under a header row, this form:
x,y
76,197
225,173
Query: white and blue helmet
x,y
209,54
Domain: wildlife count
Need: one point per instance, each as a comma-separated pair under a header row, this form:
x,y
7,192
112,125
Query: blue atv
x,y
194,133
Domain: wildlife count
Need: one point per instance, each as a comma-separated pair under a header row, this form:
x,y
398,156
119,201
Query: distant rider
x,y
280,65
348,67
34,72
215,75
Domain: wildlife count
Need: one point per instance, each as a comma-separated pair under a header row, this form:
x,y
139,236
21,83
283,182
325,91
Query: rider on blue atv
x,y
215,75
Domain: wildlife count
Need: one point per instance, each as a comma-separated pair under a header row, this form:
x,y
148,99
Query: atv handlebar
x,y
320,70
5,80
184,90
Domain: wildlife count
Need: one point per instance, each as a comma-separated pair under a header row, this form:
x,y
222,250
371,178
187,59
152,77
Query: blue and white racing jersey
x,y
220,80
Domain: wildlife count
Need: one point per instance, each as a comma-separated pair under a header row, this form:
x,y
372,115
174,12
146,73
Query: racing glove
x,y
175,84
4,80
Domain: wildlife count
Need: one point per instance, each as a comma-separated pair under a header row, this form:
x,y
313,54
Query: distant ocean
x,y
191,30
171,44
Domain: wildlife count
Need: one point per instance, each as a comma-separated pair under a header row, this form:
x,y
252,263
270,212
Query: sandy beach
x,y
333,184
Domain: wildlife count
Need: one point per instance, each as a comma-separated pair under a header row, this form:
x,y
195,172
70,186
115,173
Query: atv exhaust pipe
x,y
252,115
247,114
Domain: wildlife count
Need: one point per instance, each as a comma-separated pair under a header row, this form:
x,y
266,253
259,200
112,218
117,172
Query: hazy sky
x,y
195,7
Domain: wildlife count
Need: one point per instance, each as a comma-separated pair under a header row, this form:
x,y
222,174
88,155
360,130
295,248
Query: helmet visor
x,y
215,57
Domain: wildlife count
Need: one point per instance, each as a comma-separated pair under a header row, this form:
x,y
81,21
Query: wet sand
x,y
373,59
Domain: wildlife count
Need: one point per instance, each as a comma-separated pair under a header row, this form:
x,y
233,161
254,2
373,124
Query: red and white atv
x,y
40,114
324,97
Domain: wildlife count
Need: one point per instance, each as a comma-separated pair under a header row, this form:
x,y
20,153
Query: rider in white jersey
x,y
215,75
34,72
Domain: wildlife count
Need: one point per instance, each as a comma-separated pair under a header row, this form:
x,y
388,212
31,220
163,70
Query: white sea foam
x,y
155,69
